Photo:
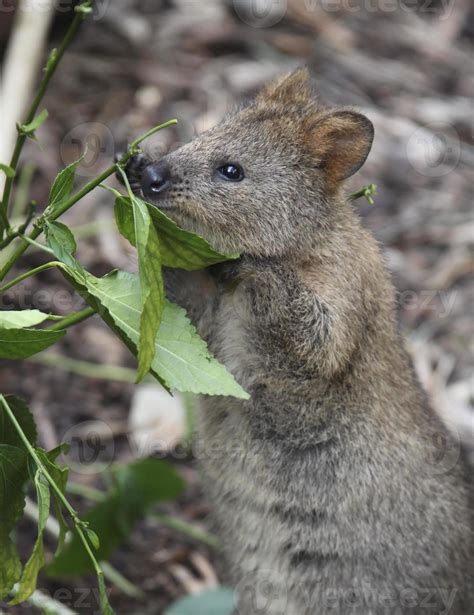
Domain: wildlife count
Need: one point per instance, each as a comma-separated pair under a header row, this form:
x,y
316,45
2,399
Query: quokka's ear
x,y
289,89
341,140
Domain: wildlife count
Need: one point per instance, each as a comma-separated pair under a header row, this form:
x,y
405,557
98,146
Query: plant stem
x,y
366,191
6,241
134,144
76,197
186,528
108,172
73,319
117,578
84,491
28,274
73,513
95,495
51,65
21,194
14,256
36,244
85,368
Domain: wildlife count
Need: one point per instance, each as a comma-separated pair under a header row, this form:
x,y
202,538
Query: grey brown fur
x,y
336,489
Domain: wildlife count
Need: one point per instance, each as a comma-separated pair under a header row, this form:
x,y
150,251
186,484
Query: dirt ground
x,y
135,64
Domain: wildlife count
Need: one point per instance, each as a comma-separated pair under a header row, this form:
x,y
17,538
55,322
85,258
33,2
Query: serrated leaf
x,y
9,172
179,248
19,319
13,472
152,291
62,186
220,601
8,433
29,129
136,487
34,564
23,343
182,358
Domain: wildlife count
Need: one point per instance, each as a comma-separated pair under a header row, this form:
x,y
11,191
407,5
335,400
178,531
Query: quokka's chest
x,y
231,332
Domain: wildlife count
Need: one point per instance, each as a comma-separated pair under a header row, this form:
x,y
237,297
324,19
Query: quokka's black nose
x,y
156,179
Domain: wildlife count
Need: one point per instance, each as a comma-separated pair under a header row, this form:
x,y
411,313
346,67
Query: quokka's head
x,y
263,181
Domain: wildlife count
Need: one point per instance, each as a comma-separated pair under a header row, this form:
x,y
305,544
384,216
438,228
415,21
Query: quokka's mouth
x,y
163,205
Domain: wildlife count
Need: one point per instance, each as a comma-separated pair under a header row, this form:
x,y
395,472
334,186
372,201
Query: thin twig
x,y
78,524
85,368
73,319
30,273
49,70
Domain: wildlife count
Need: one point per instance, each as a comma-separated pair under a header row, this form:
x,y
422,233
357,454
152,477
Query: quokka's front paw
x,y
133,170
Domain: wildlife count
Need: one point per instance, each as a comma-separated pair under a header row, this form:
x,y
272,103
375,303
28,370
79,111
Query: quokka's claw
x,y
133,168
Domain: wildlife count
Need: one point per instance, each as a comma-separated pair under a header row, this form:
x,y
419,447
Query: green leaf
x,y
182,358
136,487
8,433
28,580
123,212
60,475
23,343
61,240
9,172
95,541
61,449
62,187
13,472
179,248
29,129
36,561
10,565
151,285
18,319
152,290
220,601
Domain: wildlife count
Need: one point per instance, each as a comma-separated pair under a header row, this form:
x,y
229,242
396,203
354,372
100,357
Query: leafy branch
x,y
27,128
80,527
58,211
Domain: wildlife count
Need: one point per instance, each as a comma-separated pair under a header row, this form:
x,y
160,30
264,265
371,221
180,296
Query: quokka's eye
x,y
231,172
